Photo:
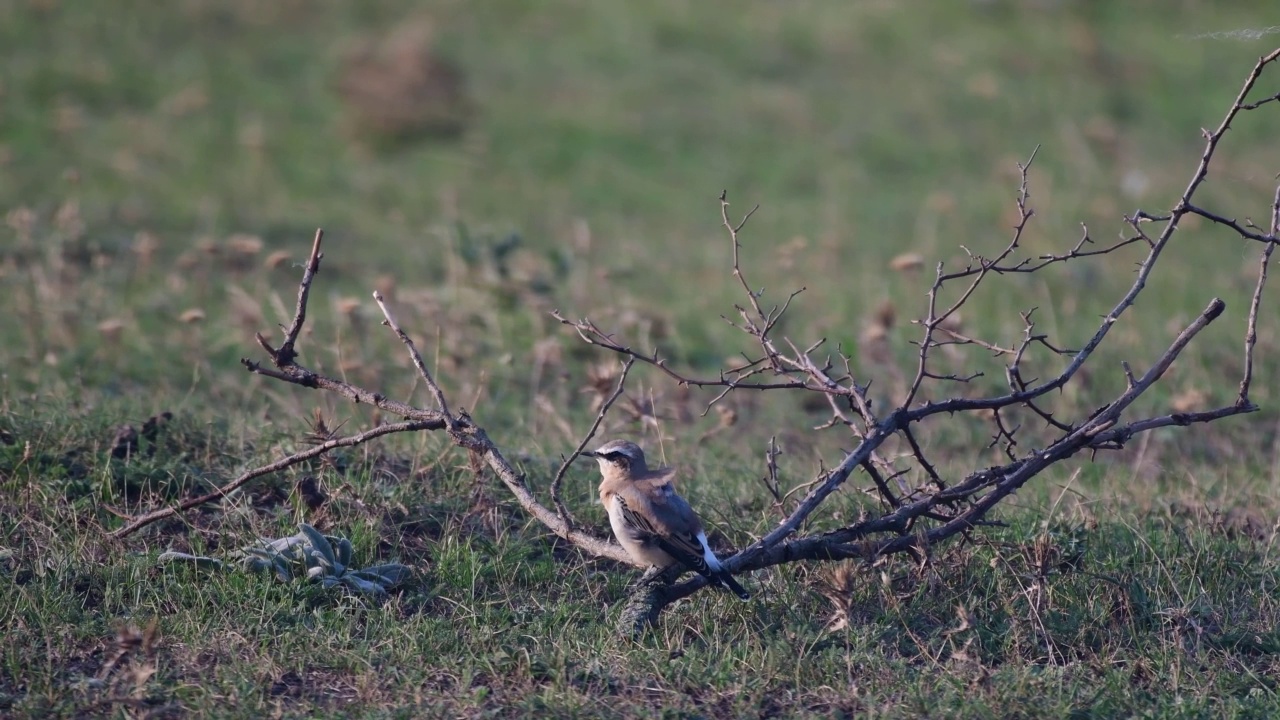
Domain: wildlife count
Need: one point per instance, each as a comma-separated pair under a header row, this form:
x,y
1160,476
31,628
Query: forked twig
x,y
557,481
414,355
286,353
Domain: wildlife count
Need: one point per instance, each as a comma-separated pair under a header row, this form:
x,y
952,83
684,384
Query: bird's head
x,y
619,457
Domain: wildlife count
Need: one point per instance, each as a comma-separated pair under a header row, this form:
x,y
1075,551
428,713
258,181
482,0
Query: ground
x,y
163,170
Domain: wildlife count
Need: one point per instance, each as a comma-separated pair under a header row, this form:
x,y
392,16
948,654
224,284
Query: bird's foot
x,y
656,575
650,576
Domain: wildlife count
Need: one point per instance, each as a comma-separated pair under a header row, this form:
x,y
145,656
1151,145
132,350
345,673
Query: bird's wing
x,y
654,513
660,516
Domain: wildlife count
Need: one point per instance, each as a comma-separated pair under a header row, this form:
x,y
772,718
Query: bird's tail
x,y
726,581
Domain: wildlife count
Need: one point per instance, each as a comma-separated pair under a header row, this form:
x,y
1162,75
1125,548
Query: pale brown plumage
x,y
650,520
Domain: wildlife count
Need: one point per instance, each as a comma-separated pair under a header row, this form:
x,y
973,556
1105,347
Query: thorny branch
x,y
1251,332
912,518
948,509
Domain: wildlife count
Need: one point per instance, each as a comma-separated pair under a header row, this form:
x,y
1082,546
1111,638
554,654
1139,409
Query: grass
x,y
161,174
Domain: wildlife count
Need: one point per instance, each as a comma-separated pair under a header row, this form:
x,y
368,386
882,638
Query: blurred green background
x,y
601,134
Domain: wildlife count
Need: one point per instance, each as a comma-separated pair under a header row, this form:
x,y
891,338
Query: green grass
x,y
136,144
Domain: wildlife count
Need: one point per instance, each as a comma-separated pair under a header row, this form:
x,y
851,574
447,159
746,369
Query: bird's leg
x,y
647,579
654,575
650,574
670,574
666,575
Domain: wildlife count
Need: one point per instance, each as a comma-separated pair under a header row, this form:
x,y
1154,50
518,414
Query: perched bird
x,y
654,524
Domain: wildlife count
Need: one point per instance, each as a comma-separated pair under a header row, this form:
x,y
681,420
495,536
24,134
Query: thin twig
x,y
977,274
770,480
286,354
556,481
432,386
1251,327
593,335
298,375
142,521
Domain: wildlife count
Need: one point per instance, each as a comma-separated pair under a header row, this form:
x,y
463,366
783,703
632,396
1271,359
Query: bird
x,y
653,524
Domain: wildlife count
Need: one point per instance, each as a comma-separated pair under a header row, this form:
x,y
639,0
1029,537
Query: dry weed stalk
x,y
912,519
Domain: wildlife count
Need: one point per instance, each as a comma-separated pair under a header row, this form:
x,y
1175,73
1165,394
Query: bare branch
x,y
142,521
1269,238
462,431
432,386
286,354
934,319
1251,327
911,520
565,516
298,375
593,335
1103,429
1213,138
771,482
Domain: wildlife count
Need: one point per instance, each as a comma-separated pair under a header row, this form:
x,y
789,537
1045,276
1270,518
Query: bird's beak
x,y
588,454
